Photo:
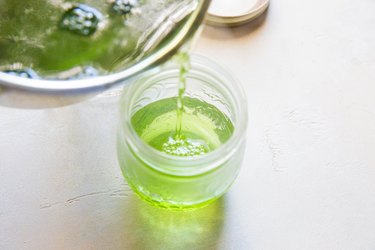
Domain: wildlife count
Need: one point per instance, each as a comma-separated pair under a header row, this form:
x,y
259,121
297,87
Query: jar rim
x,y
231,20
187,165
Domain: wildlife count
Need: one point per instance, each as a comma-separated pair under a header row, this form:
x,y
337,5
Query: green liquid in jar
x,y
203,126
182,126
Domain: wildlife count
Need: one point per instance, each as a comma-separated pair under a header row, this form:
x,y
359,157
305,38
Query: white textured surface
x,y
308,181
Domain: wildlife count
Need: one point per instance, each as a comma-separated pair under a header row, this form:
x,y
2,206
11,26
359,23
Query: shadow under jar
x,y
214,119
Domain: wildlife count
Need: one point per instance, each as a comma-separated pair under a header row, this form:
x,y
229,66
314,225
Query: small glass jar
x,y
182,181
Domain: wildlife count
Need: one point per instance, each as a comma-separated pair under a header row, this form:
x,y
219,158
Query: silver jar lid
x,y
235,12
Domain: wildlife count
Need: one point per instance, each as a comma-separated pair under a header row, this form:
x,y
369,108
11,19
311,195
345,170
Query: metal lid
x,y
235,12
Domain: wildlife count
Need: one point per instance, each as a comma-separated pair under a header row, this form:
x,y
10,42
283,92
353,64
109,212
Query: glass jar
x,y
182,181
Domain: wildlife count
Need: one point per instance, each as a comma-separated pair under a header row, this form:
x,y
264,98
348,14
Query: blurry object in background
x,y
58,38
53,51
235,12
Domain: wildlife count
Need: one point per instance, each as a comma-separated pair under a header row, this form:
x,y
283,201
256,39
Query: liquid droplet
x,y
82,20
124,7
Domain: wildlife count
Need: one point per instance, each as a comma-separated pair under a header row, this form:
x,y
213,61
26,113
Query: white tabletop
x,y
308,179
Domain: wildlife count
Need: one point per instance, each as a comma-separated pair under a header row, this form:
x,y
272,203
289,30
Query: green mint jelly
x,y
203,126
